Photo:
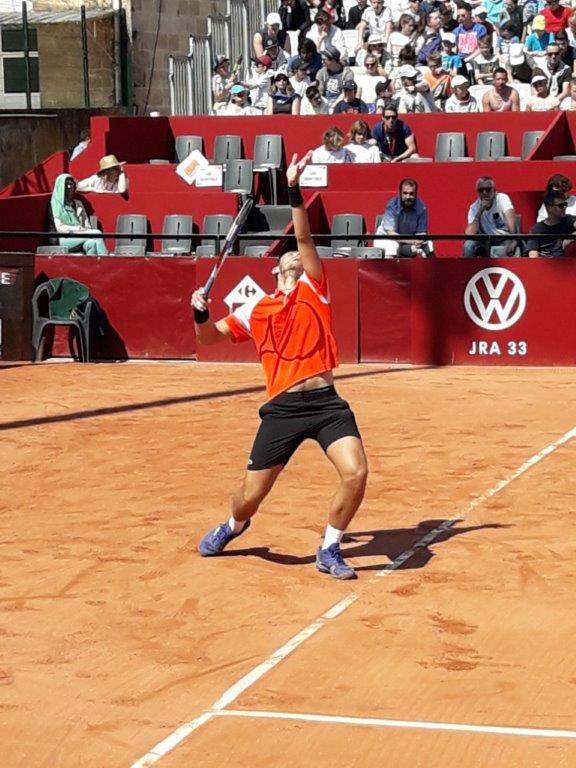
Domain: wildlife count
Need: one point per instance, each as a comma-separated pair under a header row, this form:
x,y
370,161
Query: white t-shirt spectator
x,y
377,24
307,108
492,221
543,105
235,110
323,155
367,85
567,105
259,94
300,85
364,153
397,8
335,37
98,183
453,104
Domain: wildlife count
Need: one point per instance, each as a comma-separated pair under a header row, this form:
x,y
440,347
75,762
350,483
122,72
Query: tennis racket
x,y
226,250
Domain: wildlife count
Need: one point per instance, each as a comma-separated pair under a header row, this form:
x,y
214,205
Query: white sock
x,y
236,525
332,536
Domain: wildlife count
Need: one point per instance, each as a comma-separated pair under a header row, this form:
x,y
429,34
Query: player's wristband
x,y
201,316
295,196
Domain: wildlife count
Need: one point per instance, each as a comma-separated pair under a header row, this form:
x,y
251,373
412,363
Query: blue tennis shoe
x,y
330,561
215,540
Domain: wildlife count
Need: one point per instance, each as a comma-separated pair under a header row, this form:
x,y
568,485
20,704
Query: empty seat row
x,y
490,145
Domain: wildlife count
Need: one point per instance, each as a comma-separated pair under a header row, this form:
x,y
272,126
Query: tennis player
x,y
292,331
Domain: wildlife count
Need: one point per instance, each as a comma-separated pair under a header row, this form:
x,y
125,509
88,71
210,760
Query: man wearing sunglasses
x,y
556,224
491,214
394,138
557,73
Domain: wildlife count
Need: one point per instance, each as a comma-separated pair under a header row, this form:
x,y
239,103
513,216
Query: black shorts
x,y
292,417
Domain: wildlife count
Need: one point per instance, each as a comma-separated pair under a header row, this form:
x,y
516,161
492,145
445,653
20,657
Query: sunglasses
x,y
485,189
560,205
390,117
370,63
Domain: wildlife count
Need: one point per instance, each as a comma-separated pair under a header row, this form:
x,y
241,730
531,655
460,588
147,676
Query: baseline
x,y
182,732
503,730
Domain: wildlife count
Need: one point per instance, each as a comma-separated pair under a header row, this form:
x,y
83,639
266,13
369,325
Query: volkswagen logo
x,y
495,298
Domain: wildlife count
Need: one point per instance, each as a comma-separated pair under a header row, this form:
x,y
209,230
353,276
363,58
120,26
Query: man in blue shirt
x,y
394,138
405,214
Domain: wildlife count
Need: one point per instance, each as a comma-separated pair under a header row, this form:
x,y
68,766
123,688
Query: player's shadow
x,y
390,543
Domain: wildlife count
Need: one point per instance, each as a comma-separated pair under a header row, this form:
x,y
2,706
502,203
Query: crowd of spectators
x,y
328,56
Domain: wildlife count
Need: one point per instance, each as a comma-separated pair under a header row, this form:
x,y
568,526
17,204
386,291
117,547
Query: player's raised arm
x,y
306,248
207,332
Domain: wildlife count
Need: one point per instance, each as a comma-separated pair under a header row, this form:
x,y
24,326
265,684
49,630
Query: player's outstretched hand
x,y
198,300
294,170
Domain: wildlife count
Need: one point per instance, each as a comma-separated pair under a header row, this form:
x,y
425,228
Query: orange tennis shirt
x,y
292,333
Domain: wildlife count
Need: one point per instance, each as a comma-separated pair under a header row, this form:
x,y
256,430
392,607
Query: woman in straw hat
x,y
110,178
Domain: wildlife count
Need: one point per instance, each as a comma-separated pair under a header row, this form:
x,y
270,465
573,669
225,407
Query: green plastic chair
x,y
61,301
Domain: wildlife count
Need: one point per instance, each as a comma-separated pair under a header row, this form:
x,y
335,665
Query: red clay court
x,y
122,648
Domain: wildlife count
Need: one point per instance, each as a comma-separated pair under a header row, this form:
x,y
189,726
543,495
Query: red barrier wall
x,y
146,301
40,179
236,279
427,301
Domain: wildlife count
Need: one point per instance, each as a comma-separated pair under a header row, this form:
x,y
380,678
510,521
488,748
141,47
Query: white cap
x,y
375,40
539,79
408,71
274,18
516,54
448,36
459,80
479,10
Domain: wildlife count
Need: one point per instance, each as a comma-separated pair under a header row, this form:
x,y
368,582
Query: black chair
x,y
135,225
227,148
490,145
449,146
183,145
529,141
214,224
179,228
347,224
267,158
238,177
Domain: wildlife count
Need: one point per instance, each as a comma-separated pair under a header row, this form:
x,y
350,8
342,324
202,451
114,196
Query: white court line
x,y
182,732
501,730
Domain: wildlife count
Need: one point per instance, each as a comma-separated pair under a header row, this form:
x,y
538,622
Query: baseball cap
x,y
264,59
274,18
330,52
298,63
237,89
408,71
349,85
459,80
219,60
539,22
449,37
539,79
375,40
479,10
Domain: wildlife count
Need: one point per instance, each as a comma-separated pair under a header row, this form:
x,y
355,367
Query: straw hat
x,y
108,162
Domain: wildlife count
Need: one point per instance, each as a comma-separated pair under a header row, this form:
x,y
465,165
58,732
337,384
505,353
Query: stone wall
x,y
26,139
179,19
61,66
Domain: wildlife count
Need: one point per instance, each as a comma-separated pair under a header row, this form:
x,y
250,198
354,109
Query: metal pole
x,y
117,4
86,69
26,33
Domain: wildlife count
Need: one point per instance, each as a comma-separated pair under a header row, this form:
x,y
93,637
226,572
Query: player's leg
x,y
275,442
340,438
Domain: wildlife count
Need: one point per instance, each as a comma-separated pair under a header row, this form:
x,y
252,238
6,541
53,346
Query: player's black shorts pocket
x,y
292,417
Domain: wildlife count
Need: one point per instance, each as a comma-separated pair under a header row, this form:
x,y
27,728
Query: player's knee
x,y
355,476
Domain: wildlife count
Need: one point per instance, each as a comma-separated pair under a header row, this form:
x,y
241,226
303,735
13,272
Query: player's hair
x,y
333,138
500,71
322,18
558,180
551,198
485,180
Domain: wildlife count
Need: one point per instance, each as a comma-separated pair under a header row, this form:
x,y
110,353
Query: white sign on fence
x,y
314,176
209,176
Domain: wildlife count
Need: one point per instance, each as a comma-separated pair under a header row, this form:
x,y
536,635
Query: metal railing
x,y
220,35
237,12
256,14
180,79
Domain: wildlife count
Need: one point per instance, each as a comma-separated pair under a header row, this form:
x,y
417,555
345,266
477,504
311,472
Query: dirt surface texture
x,y
120,647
